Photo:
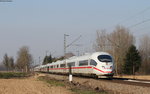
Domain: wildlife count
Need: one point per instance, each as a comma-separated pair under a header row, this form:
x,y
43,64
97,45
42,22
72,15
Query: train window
x,y
51,66
83,63
57,66
62,65
93,62
71,64
105,58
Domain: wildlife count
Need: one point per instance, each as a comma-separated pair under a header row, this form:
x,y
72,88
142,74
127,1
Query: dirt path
x,y
29,86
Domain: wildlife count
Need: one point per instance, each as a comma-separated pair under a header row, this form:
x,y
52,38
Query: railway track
x,y
135,82
127,81
116,85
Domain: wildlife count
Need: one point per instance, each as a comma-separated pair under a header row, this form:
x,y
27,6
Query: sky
x,y
41,24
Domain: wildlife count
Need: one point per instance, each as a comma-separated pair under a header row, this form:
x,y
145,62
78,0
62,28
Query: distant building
x,y
68,55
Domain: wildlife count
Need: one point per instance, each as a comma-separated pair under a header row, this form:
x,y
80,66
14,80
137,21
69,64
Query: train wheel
x,y
96,77
110,77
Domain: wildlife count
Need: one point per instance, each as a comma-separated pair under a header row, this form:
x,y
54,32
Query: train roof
x,y
86,56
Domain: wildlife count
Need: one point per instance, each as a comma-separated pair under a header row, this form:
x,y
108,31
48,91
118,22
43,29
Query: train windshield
x,y
105,58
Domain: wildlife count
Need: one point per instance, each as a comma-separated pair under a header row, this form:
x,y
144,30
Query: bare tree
x,y
116,43
11,63
24,59
144,48
102,43
6,61
121,39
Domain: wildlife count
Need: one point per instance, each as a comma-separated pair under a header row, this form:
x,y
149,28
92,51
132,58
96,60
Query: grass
x,y
52,82
7,75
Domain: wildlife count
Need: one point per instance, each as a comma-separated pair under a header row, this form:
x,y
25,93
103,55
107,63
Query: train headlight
x,y
103,67
110,67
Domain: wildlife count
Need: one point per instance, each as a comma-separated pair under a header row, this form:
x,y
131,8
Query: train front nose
x,y
107,68
106,63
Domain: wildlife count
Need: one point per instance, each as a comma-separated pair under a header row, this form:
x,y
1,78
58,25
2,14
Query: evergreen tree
x,y
132,61
50,59
47,59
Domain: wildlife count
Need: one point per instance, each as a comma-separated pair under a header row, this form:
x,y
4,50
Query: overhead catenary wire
x,y
132,17
144,21
73,41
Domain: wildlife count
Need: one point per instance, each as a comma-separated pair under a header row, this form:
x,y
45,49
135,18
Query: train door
x,y
48,69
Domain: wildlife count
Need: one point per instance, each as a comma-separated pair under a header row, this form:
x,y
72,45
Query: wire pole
x,y
65,35
39,60
65,47
46,57
73,41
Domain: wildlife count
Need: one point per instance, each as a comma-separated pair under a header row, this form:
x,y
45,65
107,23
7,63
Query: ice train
x,y
97,64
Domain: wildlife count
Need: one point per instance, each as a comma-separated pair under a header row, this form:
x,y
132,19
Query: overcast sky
x,y
41,24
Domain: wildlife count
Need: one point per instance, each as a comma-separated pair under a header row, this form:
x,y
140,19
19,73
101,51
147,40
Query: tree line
x,y
50,59
23,62
129,59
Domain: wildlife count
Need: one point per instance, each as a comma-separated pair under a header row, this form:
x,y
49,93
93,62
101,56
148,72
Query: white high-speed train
x,y
97,64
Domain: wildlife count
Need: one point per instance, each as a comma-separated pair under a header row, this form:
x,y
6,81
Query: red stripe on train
x,y
102,71
83,68
72,68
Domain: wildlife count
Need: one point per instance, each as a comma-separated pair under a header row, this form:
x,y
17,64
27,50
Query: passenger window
x,y
93,62
62,65
83,63
71,64
51,66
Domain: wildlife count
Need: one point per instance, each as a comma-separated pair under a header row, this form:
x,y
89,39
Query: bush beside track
x,y
8,75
